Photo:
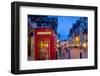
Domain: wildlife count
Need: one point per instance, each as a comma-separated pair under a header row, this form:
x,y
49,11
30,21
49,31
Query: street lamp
x,y
84,45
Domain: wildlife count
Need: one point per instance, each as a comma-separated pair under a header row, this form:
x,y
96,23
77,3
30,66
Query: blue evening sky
x,y
64,25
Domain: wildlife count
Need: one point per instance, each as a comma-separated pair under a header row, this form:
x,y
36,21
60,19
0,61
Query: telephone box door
x,y
43,49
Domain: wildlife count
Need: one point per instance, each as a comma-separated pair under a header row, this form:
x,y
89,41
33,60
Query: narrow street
x,y
75,53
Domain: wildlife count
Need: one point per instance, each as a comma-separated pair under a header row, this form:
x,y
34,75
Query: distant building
x,y
80,30
36,21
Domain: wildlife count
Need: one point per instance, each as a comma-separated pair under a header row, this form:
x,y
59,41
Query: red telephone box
x,y
45,44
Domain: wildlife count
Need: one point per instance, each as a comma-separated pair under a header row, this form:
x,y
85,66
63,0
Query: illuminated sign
x,y
42,33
